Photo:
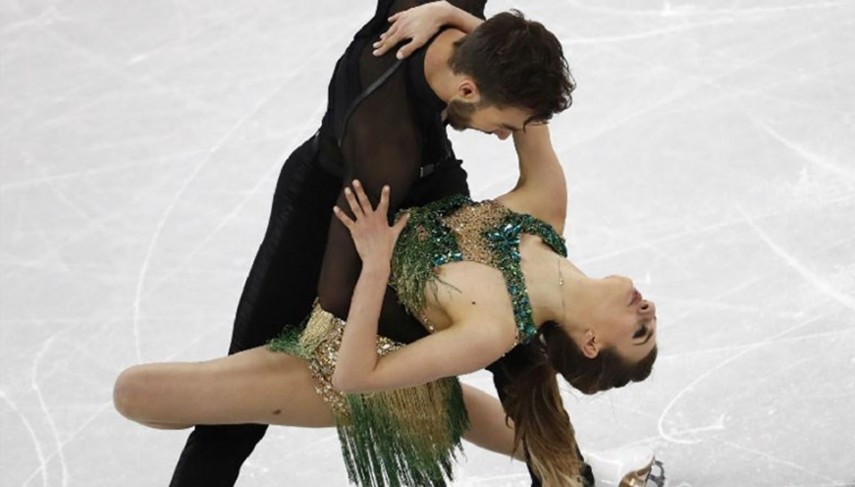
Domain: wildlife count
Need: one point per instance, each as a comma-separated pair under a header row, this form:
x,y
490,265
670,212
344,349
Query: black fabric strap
x,y
339,130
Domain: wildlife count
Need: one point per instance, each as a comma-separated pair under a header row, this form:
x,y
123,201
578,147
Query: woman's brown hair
x,y
534,403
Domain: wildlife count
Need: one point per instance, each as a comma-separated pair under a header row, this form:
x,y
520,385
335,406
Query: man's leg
x,y
279,291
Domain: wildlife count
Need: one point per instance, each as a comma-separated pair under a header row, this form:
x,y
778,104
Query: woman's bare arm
x,y
419,24
460,349
541,189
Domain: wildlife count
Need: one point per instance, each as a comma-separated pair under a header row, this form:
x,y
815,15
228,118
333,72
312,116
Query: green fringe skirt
x,y
402,437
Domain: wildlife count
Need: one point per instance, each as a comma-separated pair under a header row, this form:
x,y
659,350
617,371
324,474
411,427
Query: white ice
x,y
710,155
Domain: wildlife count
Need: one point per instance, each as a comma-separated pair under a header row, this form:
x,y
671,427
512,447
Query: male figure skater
x,y
384,124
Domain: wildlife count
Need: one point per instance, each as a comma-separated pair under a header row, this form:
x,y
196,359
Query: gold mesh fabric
x,y
406,436
321,340
469,224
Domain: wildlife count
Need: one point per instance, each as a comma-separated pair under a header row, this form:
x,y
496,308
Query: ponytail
x,y
534,403
541,424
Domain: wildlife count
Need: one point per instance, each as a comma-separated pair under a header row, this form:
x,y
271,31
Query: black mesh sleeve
x,y
381,146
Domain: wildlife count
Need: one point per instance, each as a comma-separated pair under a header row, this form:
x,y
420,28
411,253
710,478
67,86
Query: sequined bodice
x,y
457,229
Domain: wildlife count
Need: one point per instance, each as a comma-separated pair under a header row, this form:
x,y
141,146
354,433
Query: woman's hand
x,y
418,24
372,235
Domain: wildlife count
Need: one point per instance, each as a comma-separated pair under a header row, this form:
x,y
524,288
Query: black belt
x,y
335,164
427,170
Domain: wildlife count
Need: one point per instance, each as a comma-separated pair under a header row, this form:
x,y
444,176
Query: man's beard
x,y
459,114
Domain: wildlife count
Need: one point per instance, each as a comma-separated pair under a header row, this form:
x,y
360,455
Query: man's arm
x,y
381,146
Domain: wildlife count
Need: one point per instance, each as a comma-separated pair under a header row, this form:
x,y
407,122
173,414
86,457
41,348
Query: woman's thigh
x,y
253,386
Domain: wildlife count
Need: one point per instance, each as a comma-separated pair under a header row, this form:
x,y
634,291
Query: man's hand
x,y
372,235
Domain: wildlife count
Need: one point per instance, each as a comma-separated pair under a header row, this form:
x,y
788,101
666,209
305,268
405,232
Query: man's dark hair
x,y
516,62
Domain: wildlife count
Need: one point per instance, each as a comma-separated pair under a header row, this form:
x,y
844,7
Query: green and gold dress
x,y
410,436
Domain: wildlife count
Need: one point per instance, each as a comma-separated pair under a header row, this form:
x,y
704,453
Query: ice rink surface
x,y
709,156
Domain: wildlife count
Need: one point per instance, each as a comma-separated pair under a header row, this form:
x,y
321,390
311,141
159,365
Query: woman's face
x,y
621,318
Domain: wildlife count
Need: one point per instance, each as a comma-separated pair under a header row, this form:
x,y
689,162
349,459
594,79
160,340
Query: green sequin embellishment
x,y
427,243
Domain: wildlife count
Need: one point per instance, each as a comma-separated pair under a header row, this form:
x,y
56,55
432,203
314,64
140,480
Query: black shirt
x,y
384,138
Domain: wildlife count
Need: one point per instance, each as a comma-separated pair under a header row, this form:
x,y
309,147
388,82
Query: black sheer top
x,y
394,135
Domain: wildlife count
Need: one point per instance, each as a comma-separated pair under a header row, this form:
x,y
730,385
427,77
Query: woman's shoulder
x,y
473,289
476,295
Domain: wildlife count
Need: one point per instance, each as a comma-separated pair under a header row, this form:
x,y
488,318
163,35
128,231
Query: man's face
x,y
490,119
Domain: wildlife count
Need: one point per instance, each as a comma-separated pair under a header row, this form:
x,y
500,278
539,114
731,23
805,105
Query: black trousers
x,y
280,289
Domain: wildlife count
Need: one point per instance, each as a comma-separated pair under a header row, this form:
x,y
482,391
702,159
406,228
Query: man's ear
x,y
467,90
590,345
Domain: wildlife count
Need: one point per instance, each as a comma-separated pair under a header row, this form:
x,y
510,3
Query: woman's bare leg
x,y
260,386
487,427
254,386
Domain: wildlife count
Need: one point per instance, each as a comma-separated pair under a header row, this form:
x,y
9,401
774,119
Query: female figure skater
x,y
482,278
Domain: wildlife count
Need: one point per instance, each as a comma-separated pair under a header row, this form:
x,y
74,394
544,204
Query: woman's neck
x,y
554,284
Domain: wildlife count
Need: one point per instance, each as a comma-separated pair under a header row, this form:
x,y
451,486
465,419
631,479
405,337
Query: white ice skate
x,y
626,467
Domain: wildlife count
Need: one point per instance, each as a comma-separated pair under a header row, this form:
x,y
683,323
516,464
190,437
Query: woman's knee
x,y
129,392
